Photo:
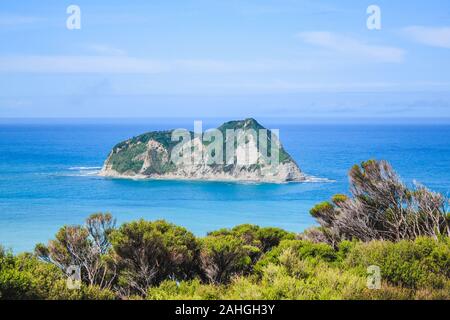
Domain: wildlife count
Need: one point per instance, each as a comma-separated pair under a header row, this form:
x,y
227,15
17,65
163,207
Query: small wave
x,y
81,171
80,174
84,168
76,174
86,173
313,179
73,174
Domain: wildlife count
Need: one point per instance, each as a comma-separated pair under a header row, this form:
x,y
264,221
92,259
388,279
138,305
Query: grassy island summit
x,y
236,151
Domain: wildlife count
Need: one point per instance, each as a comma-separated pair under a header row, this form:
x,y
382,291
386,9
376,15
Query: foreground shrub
x,y
147,253
84,246
16,285
159,260
382,207
184,290
423,263
26,277
275,284
262,238
301,249
224,256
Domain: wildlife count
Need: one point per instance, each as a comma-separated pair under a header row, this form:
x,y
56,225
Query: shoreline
x,y
139,177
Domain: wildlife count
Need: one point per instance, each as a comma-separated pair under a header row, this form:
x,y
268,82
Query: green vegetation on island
x,y
403,231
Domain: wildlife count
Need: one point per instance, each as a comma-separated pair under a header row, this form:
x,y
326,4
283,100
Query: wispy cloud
x,y
298,7
131,65
78,64
352,47
7,20
105,50
280,86
431,36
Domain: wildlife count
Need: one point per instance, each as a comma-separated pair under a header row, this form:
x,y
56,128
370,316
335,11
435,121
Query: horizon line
x,y
280,119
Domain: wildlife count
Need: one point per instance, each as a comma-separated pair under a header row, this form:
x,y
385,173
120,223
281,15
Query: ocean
x,y
48,176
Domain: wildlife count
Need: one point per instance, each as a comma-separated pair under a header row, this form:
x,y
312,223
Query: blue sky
x,y
234,58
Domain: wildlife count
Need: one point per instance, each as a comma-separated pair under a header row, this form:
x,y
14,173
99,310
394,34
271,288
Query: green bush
x,y
16,285
304,250
147,253
263,238
184,290
381,207
422,263
26,277
277,284
158,260
224,256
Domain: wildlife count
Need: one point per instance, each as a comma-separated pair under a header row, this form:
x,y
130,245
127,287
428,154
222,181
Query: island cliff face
x,y
149,156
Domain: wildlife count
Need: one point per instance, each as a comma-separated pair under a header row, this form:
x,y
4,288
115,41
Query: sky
x,y
291,59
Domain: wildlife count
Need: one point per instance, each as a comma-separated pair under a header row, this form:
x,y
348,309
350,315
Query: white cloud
x,y
431,36
106,50
281,86
353,47
125,64
15,102
14,20
78,64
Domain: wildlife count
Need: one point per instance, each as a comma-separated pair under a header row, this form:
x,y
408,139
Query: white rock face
x,y
152,160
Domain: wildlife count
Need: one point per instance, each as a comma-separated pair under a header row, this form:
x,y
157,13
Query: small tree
x,y
253,235
224,256
381,207
147,253
83,246
100,226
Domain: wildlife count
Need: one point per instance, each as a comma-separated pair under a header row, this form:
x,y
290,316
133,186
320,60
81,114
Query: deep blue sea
x,y
47,177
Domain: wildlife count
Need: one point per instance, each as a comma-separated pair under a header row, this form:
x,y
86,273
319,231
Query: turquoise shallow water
x,y
47,177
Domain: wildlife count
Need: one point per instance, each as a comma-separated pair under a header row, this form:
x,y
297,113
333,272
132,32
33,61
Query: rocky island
x,y
239,151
